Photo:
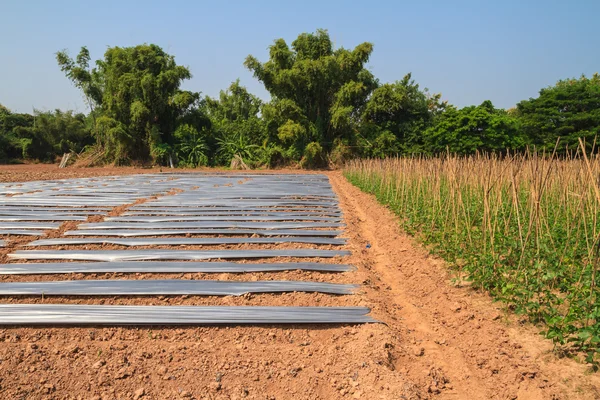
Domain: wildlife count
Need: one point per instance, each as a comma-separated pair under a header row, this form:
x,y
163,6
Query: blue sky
x,y
470,51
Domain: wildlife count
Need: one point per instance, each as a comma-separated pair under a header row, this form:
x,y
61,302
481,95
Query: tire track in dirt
x,y
450,333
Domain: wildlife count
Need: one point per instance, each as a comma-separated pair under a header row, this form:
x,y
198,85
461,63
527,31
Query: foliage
x,y
274,156
400,109
317,90
474,128
11,145
88,80
136,92
569,110
340,153
236,144
236,124
326,107
523,227
192,148
53,134
313,156
42,136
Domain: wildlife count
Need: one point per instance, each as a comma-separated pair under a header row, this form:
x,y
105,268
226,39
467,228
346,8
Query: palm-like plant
x,y
192,149
236,144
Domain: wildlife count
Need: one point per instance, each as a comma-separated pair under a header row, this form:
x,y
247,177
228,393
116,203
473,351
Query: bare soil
x,y
437,339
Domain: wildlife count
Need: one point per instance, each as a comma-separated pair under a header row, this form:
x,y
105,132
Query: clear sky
x,y
470,51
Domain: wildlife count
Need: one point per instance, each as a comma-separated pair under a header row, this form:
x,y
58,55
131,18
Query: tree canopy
x,y
325,107
396,116
569,110
42,136
316,90
136,93
475,128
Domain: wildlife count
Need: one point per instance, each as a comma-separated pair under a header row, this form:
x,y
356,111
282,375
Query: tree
x,y
474,128
53,134
236,126
192,149
569,110
88,80
396,116
317,90
11,144
136,90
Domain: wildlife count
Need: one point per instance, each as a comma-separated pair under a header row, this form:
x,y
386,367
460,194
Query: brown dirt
x,y
34,172
437,341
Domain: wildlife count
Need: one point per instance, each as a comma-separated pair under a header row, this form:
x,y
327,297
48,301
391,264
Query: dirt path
x,y
438,340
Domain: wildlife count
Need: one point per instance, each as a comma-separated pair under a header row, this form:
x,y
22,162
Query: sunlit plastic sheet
x,y
218,218
184,241
168,287
21,232
209,224
29,225
240,202
162,232
54,209
48,213
216,208
75,202
165,267
236,191
267,212
143,255
14,218
76,314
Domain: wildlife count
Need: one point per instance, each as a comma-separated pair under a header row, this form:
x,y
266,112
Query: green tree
x,y
11,143
236,125
88,80
53,134
136,91
317,91
469,129
569,110
396,116
192,148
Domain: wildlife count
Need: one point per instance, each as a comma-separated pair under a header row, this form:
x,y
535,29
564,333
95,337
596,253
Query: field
x,y
524,228
438,339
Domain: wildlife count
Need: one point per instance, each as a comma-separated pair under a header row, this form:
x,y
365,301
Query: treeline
x,y
325,108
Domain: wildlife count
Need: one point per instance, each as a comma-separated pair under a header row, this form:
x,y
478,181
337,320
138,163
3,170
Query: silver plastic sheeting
x,y
12,218
269,212
69,314
241,202
70,210
19,232
208,224
217,218
215,208
184,241
142,255
75,202
46,213
29,225
167,287
2,243
162,232
166,267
